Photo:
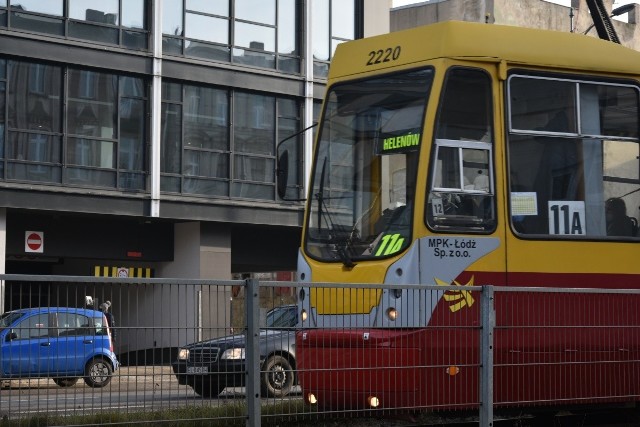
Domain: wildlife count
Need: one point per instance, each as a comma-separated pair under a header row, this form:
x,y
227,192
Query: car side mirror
x,y
11,336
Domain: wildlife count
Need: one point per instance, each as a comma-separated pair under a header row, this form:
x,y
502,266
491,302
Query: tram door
x,y
463,198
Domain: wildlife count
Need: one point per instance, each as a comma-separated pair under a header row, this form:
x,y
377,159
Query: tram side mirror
x,y
289,168
282,173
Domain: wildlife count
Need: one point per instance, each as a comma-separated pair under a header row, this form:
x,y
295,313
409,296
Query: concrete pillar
x,y
634,16
215,251
201,251
186,253
156,108
307,137
215,263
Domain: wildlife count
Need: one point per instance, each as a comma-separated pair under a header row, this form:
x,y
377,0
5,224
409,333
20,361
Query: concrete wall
x,y
532,14
376,17
522,13
438,11
202,251
628,32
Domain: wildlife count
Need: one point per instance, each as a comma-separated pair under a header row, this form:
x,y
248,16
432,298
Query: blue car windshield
x,y
7,319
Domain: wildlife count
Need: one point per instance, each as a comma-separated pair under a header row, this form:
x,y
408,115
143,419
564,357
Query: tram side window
x,y
461,178
573,158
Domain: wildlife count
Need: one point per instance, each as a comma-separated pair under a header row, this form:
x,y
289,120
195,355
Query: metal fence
x,y
478,349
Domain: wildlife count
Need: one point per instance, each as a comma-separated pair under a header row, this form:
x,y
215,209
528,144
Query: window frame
x,y
578,137
49,327
230,47
474,224
233,184
50,164
577,82
65,21
321,66
79,331
464,145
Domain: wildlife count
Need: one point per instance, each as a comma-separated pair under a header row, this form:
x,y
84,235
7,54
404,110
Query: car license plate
x,y
197,370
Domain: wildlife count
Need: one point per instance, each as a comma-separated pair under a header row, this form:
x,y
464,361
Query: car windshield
x,y
7,319
365,167
282,317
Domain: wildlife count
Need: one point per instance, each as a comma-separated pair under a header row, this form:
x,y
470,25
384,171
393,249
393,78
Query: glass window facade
x,y
204,153
105,121
72,125
334,22
114,22
172,22
50,7
263,34
251,32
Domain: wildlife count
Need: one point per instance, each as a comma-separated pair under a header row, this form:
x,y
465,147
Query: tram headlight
x,y
303,315
373,401
311,399
183,354
392,314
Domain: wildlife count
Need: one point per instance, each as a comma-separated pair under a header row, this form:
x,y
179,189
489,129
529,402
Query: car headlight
x,y
183,354
233,353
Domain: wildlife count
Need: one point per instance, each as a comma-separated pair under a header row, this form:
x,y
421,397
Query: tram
x,y
468,154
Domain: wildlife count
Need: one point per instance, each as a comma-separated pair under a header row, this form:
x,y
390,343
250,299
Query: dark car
x,y
61,343
210,366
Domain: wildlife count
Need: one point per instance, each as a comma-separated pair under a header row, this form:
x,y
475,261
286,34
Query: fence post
x,y
252,352
488,322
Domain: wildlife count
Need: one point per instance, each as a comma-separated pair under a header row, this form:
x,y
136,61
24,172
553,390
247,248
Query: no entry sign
x,y
34,242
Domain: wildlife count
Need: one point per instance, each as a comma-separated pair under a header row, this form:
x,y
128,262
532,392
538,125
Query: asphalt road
x,y
131,389
135,389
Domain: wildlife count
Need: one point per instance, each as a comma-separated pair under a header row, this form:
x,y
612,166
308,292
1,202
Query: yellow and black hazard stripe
x,y
131,272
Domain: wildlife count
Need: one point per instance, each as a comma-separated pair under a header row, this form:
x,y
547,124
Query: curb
x,y
126,374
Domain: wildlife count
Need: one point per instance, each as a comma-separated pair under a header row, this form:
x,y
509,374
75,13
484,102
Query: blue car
x,y
61,343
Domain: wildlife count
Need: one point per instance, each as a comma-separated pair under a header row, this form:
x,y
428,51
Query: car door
x,y
73,344
28,349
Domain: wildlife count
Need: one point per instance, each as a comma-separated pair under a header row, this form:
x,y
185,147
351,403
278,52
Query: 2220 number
x,y
383,55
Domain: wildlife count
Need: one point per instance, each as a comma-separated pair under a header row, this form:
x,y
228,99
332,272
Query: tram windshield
x,y
364,176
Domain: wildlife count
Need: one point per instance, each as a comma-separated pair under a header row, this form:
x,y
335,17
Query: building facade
x,y
140,135
521,13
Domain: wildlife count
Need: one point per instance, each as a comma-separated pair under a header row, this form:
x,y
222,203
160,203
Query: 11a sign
x,y
567,218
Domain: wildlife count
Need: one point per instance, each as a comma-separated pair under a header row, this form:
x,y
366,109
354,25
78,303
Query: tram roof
x,y
475,41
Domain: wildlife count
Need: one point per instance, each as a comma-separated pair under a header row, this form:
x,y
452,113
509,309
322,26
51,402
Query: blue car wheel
x,y
98,373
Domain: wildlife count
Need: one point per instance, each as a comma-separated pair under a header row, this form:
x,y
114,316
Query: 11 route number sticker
x,y
567,218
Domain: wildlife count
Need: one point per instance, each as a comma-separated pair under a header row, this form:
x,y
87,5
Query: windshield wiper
x,y
341,246
344,256
320,194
